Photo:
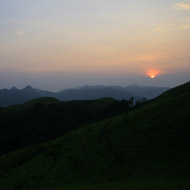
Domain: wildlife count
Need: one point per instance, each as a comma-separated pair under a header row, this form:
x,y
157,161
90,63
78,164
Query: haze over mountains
x,y
18,96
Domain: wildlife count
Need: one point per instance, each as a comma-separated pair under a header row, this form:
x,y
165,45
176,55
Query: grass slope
x,y
177,91
94,104
148,148
32,103
43,119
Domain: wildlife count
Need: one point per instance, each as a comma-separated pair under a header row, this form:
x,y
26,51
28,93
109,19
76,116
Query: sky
x,y
57,44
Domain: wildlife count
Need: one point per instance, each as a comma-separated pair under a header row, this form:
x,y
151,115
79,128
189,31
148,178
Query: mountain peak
x,y
28,87
14,88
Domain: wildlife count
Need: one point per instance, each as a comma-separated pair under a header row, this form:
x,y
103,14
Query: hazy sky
x,y
56,44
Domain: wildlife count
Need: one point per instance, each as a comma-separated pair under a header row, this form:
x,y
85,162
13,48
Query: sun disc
x,y
153,73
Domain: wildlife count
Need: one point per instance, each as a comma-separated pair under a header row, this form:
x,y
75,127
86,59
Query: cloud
x,y
164,27
186,20
185,24
185,27
182,6
160,28
181,24
19,32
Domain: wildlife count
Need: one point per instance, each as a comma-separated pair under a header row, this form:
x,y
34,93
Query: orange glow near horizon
x,y
153,73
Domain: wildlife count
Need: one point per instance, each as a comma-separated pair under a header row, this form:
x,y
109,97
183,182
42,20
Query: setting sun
x,y
153,73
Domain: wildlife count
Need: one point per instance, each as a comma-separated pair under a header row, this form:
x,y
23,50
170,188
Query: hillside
x,y
177,91
42,119
31,103
147,148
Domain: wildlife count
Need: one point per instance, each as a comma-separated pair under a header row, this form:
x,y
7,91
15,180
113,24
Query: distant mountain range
x,y
18,96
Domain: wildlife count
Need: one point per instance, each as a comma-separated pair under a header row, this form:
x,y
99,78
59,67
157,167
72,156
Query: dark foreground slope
x,y
148,148
177,91
43,119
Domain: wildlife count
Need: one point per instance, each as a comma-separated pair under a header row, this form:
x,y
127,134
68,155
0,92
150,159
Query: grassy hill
x,y
147,148
32,103
43,119
177,91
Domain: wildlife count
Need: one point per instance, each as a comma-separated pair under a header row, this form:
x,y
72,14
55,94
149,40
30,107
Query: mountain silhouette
x,y
148,92
18,96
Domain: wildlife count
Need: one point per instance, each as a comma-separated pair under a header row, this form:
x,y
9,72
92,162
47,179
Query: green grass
x,y
94,104
148,148
179,90
149,184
